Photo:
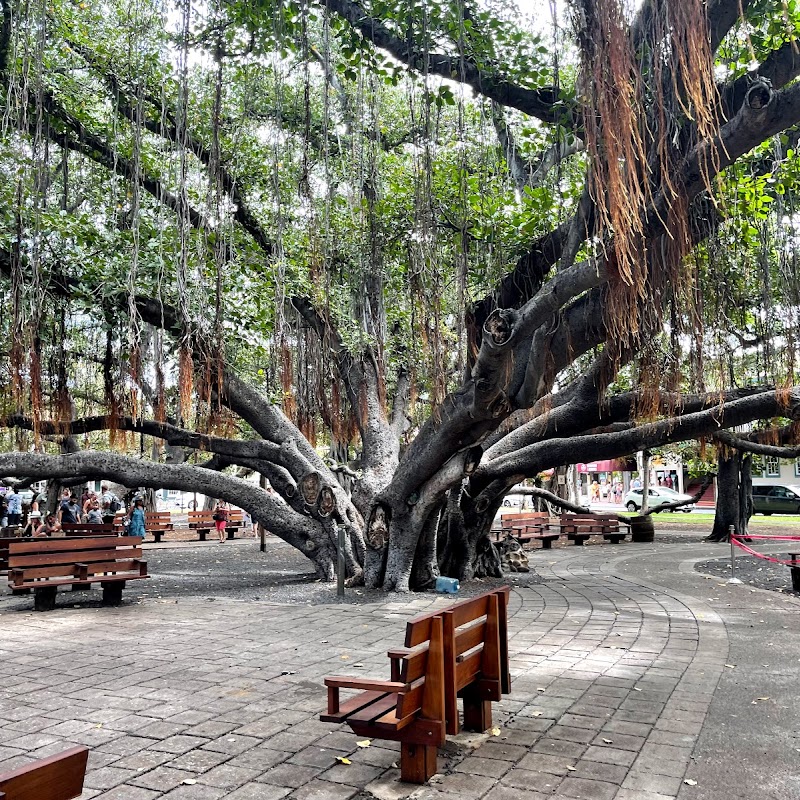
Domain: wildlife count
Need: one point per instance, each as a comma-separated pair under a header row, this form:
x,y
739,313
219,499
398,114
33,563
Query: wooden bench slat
x,y
468,667
75,581
375,710
58,777
352,705
470,637
69,557
468,610
411,701
88,543
42,572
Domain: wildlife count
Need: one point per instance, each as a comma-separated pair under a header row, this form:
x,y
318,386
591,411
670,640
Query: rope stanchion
x,y
732,537
736,540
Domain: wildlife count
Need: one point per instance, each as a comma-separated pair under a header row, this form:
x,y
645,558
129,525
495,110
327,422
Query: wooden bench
x,y
4,543
459,651
203,522
86,529
45,564
476,665
158,523
579,527
507,521
58,777
532,526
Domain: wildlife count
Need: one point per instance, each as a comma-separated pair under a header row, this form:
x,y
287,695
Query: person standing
x,y
221,519
110,504
14,507
70,512
136,519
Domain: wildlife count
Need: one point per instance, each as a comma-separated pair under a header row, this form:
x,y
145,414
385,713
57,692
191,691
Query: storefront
x,y
605,481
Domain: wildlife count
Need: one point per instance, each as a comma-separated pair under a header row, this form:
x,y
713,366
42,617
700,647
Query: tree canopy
x,y
394,256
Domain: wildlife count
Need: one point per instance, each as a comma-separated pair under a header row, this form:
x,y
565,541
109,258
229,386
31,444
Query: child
x,y
136,525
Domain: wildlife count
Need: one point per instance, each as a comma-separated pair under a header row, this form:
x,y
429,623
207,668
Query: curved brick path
x,y
611,680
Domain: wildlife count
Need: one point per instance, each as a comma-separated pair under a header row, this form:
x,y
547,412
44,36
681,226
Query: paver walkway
x,y
612,679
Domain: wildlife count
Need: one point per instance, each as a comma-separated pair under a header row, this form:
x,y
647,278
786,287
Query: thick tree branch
x,y
544,104
749,446
556,452
294,528
163,125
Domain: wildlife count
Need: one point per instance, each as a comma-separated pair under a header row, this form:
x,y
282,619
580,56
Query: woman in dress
x,y
220,519
136,524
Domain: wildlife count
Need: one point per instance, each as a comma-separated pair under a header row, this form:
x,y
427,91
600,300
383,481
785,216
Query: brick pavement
x,y
199,700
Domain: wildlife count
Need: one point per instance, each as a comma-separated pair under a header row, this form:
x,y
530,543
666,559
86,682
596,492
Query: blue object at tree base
x,y
447,585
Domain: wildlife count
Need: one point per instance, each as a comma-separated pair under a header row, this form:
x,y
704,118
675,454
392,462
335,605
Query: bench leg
x,y
44,599
231,533
477,712
417,762
202,535
795,578
157,536
547,544
112,593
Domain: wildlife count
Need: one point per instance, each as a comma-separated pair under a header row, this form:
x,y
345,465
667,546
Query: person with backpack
x,y
110,504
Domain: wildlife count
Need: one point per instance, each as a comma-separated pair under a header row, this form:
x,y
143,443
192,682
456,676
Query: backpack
x,y
114,505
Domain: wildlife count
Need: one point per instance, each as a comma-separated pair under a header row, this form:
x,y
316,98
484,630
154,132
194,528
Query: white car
x,y
656,496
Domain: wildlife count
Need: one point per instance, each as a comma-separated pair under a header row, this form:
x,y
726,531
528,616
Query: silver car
x,y
656,496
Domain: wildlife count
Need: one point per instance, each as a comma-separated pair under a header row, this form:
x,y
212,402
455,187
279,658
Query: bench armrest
x,y
336,682
395,657
345,682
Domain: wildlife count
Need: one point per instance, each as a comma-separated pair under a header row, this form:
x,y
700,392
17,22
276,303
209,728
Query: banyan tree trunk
x,y
734,495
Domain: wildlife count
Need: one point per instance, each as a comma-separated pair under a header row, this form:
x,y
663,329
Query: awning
x,y
610,465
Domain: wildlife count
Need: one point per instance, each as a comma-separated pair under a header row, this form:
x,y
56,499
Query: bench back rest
x,y
475,647
55,558
158,516
4,542
423,670
58,777
609,522
234,515
84,529
519,516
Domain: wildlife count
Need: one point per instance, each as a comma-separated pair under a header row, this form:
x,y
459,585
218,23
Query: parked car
x,y
772,499
656,496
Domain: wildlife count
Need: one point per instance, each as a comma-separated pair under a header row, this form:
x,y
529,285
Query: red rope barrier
x,y
742,546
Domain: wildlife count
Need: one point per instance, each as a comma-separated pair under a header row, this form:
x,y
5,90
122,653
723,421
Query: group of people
x,y
89,509
606,491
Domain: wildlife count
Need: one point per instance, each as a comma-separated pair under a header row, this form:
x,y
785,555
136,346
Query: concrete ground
x,y
633,678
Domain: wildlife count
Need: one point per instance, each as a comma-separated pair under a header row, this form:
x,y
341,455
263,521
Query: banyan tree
x,y
394,257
